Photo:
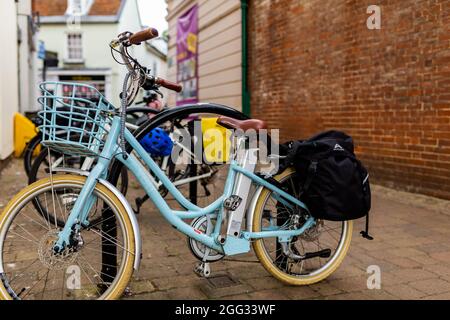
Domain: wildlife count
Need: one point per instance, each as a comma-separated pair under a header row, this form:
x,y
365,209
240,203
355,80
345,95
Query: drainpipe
x,y
245,91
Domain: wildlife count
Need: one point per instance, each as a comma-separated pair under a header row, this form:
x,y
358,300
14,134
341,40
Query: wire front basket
x,y
76,118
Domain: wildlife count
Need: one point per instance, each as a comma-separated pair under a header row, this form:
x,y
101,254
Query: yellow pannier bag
x,y
216,141
24,131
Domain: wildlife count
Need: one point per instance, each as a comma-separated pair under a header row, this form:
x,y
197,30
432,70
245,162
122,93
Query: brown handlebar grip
x,y
169,85
143,35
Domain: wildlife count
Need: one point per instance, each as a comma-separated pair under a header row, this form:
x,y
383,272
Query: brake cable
x,y
123,114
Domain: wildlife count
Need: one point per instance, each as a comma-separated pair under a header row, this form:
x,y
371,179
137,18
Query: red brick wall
x,y
314,65
59,7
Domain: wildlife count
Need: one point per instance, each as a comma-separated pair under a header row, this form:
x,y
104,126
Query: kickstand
x,y
202,269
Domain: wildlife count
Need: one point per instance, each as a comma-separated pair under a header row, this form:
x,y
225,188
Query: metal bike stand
x,y
193,167
109,249
193,185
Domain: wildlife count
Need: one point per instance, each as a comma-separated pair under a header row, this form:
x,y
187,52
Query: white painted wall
x,y
96,51
8,76
27,60
161,64
219,49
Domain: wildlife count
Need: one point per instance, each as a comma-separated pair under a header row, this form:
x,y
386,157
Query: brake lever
x,y
159,92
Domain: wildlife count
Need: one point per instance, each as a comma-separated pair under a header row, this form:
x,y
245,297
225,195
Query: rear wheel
x,y
30,267
29,152
331,239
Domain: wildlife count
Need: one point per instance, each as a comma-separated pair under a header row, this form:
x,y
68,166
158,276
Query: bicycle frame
x,y
233,245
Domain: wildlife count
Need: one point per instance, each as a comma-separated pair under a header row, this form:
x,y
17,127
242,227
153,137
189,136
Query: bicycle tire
x,y
29,151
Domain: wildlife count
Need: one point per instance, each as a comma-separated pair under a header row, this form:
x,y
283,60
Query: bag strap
x,y
312,170
365,234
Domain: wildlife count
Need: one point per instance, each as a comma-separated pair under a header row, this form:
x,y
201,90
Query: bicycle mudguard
x,y
127,206
252,207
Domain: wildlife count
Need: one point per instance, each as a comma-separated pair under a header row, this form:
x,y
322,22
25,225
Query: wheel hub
x,y
313,233
55,260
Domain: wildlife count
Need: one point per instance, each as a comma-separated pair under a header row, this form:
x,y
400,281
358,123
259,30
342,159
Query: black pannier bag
x,y
333,182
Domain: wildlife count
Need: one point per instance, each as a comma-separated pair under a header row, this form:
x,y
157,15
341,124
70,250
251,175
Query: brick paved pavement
x,y
411,246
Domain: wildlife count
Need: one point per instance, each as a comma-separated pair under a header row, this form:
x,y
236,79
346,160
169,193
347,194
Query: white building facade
x,y
80,39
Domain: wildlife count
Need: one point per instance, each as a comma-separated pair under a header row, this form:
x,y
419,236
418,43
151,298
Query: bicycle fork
x,y
85,201
79,215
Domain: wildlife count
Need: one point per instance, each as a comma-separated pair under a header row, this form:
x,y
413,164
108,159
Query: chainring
x,y
199,250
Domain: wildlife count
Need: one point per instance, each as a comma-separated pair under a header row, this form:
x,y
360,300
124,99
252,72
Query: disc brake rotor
x,y
51,259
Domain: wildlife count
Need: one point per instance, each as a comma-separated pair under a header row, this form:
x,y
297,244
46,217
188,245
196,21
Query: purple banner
x,y
187,56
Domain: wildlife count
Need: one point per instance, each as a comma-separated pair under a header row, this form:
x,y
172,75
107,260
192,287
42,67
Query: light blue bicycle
x,y
42,260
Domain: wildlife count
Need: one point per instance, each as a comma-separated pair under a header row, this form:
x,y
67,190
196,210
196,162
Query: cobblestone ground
x,y
411,247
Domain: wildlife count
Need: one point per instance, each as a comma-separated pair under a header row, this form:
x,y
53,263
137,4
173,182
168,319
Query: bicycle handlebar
x,y
169,85
143,36
140,77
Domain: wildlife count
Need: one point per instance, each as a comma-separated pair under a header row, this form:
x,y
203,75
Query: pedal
x,y
202,269
325,253
232,203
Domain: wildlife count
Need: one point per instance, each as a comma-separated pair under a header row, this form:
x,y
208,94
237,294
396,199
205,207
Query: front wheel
x,y
330,238
29,266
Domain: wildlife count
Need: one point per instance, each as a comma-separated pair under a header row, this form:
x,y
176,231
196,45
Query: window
x,y
74,47
96,81
79,7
